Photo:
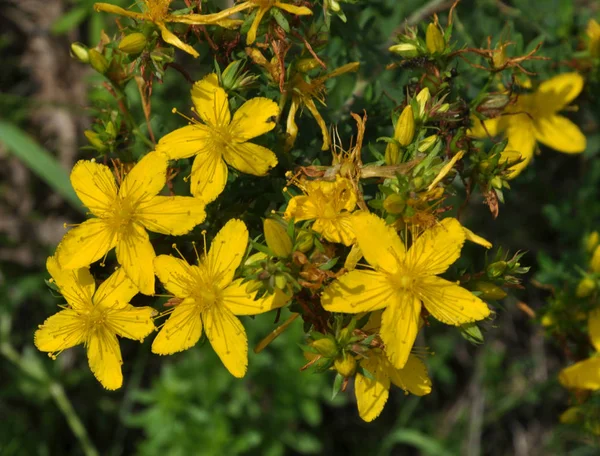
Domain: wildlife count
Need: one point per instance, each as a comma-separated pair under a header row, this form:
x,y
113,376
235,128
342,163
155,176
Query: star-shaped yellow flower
x,y
221,139
330,204
94,318
157,11
586,374
534,117
122,216
402,281
211,299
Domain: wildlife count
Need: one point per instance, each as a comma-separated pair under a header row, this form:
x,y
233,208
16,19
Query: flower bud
x,y
345,365
489,291
499,56
496,269
280,281
422,98
427,142
325,347
405,128
305,65
98,61
80,52
394,204
95,141
444,107
592,241
472,333
304,241
434,39
585,287
133,43
497,182
277,238
407,50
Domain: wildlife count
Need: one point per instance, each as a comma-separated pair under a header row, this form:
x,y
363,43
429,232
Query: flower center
x,y
403,280
95,318
123,214
157,9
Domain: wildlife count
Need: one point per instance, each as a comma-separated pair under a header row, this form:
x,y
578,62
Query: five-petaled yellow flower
x,y
263,8
222,140
122,216
94,318
157,11
586,374
402,281
211,299
534,117
329,204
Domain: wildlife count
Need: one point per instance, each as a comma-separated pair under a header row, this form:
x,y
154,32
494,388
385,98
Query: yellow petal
x,y
582,375
146,178
172,39
172,215
214,18
136,254
339,229
176,275
354,256
62,330
240,302
521,138
181,331
560,133
254,118
228,338
472,237
380,244
76,285
437,248
297,10
291,128
132,322
116,291
449,303
557,92
312,108
209,176
186,142
211,101
399,328
594,328
371,394
85,244
250,158
493,127
95,186
114,9
358,291
251,36
446,169
412,377
226,252
301,208
104,358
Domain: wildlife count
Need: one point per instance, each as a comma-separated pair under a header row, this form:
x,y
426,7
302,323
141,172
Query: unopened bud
x,y
280,281
252,286
98,61
80,52
277,238
585,287
422,98
94,139
434,39
493,103
427,142
394,204
407,50
496,269
133,43
405,128
499,56
305,65
345,365
593,33
304,242
489,291
325,347
444,107
547,320
497,182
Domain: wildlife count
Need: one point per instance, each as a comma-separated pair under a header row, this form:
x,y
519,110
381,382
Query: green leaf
x,y
337,385
40,161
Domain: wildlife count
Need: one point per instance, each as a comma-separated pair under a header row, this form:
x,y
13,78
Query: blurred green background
x,y
497,399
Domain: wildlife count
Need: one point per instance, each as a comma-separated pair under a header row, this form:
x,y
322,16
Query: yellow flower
x,y
304,94
372,394
211,299
263,8
122,216
94,318
330,204
585,374
403,281
534,117
222,140
157,11
593,33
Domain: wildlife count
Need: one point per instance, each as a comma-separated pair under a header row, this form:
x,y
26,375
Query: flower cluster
x,y
360,243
